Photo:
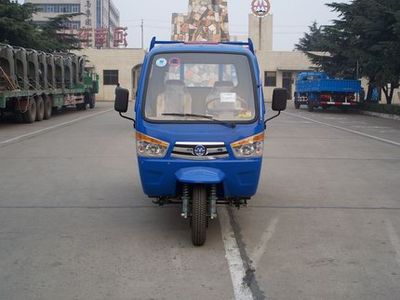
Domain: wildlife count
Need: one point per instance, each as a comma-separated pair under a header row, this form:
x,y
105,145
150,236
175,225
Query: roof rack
x,y
154,42
249,43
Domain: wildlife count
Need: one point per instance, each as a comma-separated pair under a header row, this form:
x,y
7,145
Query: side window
x,y
110,77
269,78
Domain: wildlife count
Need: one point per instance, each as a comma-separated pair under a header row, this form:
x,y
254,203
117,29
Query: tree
x,y
326,46
18,29
55,37
16,26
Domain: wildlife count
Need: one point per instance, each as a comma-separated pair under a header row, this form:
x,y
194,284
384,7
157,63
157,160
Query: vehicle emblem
x,y
200,150
260,8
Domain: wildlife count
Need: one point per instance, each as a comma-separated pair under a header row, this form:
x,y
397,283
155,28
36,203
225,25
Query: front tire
x,y
199,215
39,109
296,105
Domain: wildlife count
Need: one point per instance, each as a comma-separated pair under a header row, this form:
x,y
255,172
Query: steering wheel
x,y
244,105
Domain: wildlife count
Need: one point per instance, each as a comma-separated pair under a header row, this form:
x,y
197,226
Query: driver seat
x,y
174,99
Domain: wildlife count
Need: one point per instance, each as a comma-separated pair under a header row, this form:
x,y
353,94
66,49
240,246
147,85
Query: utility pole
x,y
109,24
358,70
259,33
142,29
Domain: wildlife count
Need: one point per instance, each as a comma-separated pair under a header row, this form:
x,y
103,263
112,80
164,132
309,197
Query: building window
x,y
59,8
110,77
98,14
270,79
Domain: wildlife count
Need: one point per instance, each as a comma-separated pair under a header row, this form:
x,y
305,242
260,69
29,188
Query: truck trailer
x,y
316,89
33,83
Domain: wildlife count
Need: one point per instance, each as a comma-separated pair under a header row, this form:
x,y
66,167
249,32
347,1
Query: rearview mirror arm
x,y
277,115
130,119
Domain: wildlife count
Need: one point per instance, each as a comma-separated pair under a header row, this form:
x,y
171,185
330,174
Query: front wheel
x,y
199,215
296,105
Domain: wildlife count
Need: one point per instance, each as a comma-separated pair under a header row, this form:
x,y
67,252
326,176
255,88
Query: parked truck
x,y
316,89
33,83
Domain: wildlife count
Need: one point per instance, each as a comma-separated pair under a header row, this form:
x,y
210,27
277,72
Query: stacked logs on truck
x,y
27,69
33,83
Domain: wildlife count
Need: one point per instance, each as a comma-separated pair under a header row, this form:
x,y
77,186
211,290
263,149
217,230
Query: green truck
x,y
34,84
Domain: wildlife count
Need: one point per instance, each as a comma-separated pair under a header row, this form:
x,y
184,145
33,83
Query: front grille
x,y
188,150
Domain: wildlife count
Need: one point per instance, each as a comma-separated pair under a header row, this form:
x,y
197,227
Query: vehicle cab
x,y
200,123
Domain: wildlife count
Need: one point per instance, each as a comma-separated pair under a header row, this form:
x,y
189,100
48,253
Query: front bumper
x,y
238,178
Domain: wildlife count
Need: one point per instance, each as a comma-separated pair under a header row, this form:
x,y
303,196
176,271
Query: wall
x,y
280,62
124,60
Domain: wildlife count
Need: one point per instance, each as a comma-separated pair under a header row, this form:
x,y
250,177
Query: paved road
x,y
74,223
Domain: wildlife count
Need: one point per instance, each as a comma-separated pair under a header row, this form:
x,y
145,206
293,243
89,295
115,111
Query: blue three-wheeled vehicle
x,y
200,123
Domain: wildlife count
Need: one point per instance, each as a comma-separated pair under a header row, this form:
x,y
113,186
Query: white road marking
x,y
394,239
232,253
20,137
346,129
262,246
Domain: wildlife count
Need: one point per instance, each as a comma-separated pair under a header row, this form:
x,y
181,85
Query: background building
x,y
278,68
97,26
115,66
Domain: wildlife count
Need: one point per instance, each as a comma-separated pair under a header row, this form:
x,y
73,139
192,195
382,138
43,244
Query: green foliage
x,y
363,41
18,29
54,36
15,24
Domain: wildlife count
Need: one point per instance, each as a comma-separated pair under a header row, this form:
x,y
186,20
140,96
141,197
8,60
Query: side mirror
x,y
279,99
121,100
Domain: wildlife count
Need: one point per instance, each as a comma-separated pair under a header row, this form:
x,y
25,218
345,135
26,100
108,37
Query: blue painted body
x,y
317,87
161,177
316,82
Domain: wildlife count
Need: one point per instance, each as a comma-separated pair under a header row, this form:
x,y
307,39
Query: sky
x,y
291,18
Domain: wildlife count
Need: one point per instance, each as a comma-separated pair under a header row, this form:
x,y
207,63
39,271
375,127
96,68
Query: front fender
x,y
200,175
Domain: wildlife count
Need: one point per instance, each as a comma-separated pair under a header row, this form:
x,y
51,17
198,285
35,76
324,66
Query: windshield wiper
x,y
211,118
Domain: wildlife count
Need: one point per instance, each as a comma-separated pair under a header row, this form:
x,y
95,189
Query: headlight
x,y
250,147
150,147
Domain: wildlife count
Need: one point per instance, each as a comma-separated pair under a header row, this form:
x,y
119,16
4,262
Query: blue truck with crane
x,y
317,89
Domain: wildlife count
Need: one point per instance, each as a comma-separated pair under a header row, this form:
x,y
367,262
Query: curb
x,y
380,115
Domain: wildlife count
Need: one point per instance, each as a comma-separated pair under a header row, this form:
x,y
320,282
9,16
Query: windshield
x,y
200,87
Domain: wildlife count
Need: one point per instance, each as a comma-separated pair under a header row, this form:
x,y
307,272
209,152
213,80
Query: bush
x,y
391,109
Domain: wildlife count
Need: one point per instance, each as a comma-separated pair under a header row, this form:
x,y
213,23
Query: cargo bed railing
x,y
249,44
